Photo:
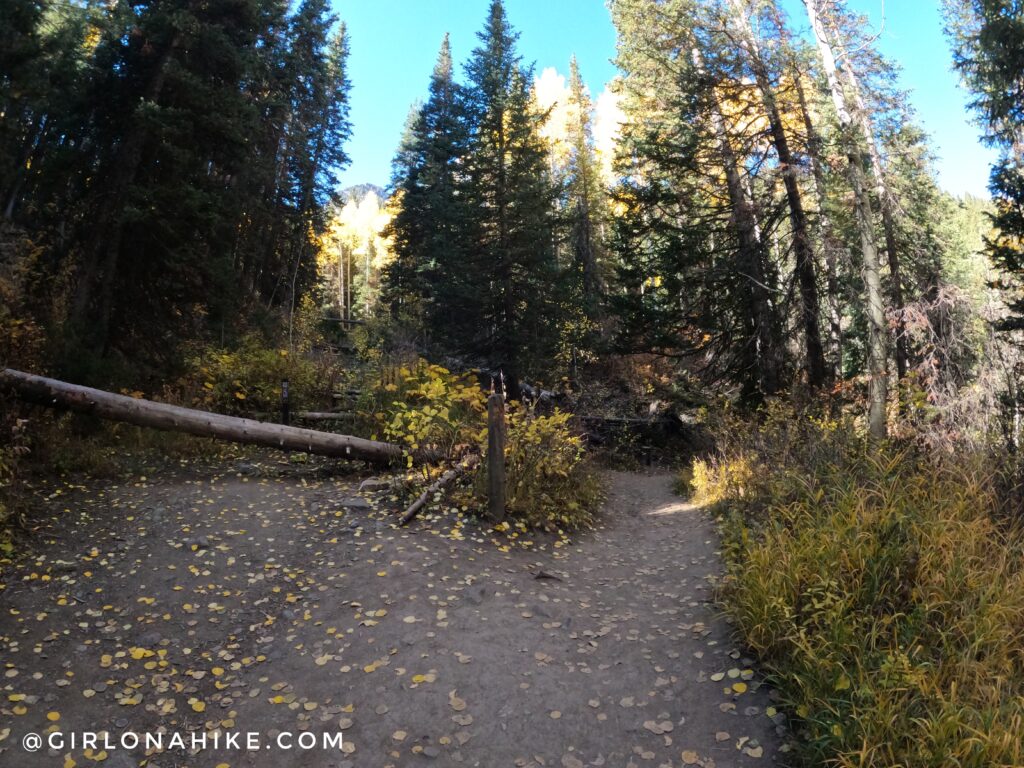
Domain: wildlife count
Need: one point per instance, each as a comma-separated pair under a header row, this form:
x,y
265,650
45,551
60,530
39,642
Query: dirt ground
x,y
283,604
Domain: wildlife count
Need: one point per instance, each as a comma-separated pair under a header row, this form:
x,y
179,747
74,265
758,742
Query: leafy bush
x,y
248,379
885,602
715,480
423,406
13,449
22,339
550,483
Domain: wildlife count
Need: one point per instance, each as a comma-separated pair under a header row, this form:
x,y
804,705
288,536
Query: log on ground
x,y
173,418
444,480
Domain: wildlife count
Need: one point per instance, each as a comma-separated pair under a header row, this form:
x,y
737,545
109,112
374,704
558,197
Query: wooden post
x,y
496,457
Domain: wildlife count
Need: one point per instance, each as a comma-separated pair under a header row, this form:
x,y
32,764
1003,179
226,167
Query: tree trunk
x,y
496,457
830,244
764,356
33,140
831,247
173,418
802,248
878,385
885,202
438,485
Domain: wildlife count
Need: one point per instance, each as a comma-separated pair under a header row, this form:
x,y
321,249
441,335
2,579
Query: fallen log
x,y
309,415
173,418
444,480
325,415
662,419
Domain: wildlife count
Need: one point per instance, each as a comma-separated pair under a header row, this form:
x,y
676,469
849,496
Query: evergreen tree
x,y
155,228
176,159
698,278
45,62
475,230
21,50
989,49
315,131
428,278
262,182
764,69
586,205
513,260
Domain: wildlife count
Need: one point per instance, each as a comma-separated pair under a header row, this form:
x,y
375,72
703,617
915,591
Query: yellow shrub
x,y
248,379
550,483
425,406
715,480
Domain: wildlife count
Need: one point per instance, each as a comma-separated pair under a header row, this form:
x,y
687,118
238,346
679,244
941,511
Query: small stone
x,y
355,502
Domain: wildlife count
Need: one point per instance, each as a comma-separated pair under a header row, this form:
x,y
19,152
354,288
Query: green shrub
x,y
883,599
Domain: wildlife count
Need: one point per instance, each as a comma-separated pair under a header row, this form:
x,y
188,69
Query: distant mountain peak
x,y
358,192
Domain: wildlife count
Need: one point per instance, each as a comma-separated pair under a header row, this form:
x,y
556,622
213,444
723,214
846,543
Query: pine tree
x,y
853,140
428,278
794,62
44,60
262,182
806,267
21,90
176,159
513,262
316,130
185,97
156,197
989,48
475,228
586,204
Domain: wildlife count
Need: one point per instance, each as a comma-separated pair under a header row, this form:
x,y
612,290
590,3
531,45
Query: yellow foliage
x,y
353,251
550,483
424,406
249,378
715,480
742,108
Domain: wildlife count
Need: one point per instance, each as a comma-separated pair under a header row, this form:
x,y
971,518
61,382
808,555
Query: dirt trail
x,y
280,605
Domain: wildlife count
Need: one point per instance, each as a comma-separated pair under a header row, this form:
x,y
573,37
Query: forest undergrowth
x,y
881,586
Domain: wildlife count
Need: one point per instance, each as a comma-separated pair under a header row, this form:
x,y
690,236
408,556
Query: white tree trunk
x,y
878,385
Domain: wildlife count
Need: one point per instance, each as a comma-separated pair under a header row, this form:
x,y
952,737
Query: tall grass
x,y
882,596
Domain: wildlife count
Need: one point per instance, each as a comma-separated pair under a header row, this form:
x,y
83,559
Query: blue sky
x,y
394,44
